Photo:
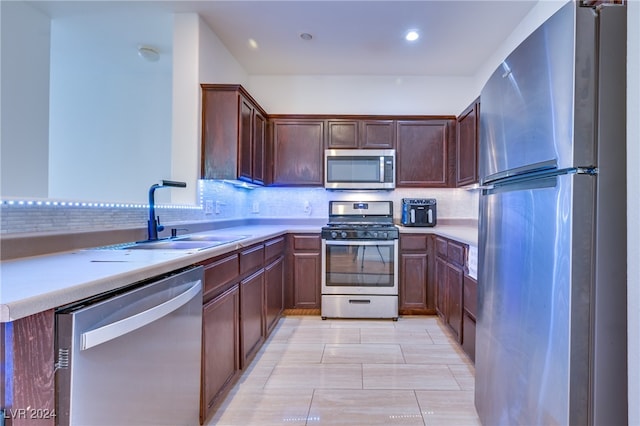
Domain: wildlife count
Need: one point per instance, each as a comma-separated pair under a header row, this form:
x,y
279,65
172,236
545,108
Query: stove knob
x,y
334,234
343,234
374,234
384,235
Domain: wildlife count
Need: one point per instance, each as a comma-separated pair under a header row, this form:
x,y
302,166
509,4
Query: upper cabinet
x,y
298,151
360,133
241,141
425,152
234,135
467,131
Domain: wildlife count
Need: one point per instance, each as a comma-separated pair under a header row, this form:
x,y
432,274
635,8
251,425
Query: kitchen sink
x,y
189,242
223,239
172,245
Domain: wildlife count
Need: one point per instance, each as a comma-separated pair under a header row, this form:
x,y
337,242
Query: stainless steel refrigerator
x,y
551,326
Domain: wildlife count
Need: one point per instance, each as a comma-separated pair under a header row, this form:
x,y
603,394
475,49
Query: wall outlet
x,y
307,207
255,208
208,206
218,208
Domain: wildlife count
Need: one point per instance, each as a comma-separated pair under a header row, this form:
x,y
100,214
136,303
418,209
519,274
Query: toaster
x,y
418,212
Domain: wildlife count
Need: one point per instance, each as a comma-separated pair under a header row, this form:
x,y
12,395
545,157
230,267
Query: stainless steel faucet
x,y
153,225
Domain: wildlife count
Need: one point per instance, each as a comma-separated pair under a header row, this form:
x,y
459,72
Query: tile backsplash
x,y
218,201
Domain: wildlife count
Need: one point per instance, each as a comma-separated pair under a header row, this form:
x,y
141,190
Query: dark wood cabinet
x,y
361,133
234,135
450,257
220,348
469,312
220,330
416,292
28,347
274,282
252,318
467,139
298,152
303,281
343,134
425,153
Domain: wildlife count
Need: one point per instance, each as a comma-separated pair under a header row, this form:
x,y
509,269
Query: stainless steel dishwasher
x,y
132,357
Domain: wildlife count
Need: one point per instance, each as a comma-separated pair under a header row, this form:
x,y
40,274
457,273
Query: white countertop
x,y
35,284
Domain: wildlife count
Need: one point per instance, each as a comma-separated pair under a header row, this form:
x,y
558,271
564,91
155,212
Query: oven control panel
x,y
390,233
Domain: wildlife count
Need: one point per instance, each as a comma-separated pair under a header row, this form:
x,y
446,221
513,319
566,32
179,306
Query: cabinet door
x,y
306,277
298,150
454,299
378,134
413,282
259,163
342,133
441,288
252,327
274,287
469,336
220,347
220,132
245,142
423,153
467,145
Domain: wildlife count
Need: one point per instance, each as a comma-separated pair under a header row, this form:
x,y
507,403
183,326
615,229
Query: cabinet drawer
x,y
455,253
273,248
306,242
470,297
251,259
441,247
219,273
413,242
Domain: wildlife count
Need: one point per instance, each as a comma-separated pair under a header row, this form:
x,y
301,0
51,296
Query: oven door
x,y
360,267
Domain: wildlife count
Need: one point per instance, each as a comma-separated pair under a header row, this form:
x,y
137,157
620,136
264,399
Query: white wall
x,y
24,121
361,94
110,110
199,57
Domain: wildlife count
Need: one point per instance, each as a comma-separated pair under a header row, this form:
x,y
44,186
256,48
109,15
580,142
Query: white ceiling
x,y
349,37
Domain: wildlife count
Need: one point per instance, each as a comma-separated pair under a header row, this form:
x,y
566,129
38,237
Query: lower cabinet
x,y
252,321
242,302
449,282
303,290
416,294
274,288
220,348
469,313
28,396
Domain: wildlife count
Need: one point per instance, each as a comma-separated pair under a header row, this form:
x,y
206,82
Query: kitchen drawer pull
x,y
119,328
359,302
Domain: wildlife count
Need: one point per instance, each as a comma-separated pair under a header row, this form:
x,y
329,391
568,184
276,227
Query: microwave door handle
x,y
382,169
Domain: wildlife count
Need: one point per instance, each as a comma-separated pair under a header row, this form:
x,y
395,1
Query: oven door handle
x,y
360,242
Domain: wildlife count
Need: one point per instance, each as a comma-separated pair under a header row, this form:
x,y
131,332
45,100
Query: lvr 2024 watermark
x,y
27,413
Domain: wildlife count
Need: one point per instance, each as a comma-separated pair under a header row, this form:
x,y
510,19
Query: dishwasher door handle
x,y
119,328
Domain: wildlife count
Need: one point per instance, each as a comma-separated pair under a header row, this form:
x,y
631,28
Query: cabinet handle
x,y
359,302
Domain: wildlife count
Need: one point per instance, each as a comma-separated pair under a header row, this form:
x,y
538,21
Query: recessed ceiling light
x,y
412,35
306,36
253,44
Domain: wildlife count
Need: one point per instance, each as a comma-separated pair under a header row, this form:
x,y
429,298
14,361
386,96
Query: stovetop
x,y
360,220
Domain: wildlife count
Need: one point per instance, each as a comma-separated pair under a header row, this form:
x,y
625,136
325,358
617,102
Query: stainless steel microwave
x,y
360,168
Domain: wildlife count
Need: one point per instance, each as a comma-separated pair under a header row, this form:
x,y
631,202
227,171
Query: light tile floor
x,y
354,372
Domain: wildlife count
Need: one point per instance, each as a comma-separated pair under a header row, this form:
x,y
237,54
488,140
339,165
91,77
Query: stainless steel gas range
x,y
360,261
